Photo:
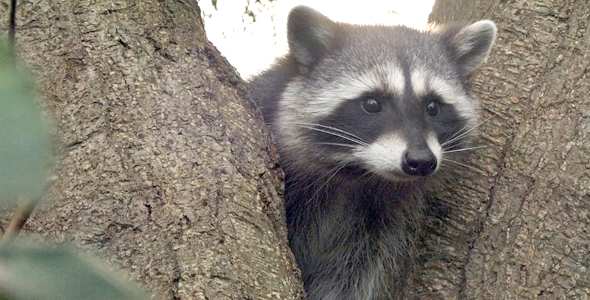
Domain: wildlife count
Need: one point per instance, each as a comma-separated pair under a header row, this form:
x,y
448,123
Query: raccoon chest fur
x,y
354,235
364,118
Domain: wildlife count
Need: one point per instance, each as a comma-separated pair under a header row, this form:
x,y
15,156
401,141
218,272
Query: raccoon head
x,y
392,101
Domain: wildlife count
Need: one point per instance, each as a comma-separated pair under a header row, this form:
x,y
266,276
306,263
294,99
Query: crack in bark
x,y
177,273
12,26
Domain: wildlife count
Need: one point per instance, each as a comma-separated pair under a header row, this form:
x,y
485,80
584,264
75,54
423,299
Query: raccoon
x,y
363,117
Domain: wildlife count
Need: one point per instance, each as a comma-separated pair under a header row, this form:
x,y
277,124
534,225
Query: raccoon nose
x,y
418,162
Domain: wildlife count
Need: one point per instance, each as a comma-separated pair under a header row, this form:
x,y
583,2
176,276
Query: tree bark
x,y
163,162
518,227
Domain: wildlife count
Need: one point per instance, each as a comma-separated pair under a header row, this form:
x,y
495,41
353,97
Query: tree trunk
x,y
518,227
163,162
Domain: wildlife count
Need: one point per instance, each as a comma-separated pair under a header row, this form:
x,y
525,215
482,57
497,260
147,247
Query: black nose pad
x,y
419,162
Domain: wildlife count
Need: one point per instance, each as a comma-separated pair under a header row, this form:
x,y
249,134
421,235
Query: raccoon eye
x,y
432,108
371,105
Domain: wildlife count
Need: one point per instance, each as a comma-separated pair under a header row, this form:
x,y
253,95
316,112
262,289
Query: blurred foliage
x,y
25,144
29,272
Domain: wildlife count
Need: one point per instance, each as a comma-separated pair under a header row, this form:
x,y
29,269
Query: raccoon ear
x,y
471,44
310,34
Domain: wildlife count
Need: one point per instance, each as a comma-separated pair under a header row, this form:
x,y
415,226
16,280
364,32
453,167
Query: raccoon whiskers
x,y
333,131
459,135
461,164
330,173
464,131
334,171
464,149
338,144
445,159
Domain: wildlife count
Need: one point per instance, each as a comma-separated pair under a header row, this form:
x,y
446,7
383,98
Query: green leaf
x,y
31,272
25,145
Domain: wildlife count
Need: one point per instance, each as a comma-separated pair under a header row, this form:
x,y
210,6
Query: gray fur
x,y
353,208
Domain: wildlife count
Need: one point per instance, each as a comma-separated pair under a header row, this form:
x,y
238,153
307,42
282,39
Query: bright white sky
x,y
252,46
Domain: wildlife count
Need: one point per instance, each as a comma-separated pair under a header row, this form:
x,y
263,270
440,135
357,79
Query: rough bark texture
x,y
519,228
163,162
